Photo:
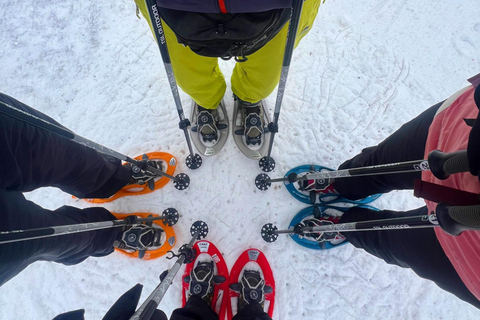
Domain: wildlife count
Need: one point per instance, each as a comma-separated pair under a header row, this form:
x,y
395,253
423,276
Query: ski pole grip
x,y
456,219
443,165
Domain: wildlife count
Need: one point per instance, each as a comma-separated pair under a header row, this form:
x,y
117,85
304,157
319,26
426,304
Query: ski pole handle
x,y
456,219
443,165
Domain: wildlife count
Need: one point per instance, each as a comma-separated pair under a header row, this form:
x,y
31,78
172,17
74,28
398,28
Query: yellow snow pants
x,y
253,80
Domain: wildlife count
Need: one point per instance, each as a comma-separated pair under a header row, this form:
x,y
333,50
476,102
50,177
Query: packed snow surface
x,y
364,69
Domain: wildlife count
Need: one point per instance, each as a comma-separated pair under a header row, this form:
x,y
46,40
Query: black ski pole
x,y
267,163
198,231
439,163
193,161
169,216
452,219
181,181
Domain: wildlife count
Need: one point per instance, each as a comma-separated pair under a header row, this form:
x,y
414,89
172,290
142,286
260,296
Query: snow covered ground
x,y
365,68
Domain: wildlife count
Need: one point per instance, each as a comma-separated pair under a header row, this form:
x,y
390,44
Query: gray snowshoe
x,y
209,130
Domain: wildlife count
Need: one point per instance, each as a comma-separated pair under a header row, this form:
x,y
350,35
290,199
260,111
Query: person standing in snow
x,y
33,158
452,262
199,32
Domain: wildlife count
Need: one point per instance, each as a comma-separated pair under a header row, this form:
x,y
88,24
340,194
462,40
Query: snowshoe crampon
x,y
168,161
167,241
252,261
314,197
316,216
206,252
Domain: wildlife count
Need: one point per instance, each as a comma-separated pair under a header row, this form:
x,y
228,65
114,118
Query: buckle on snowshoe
x,y
206,120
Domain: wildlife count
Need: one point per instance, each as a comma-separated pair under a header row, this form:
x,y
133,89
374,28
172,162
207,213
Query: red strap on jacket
x,y
438,193
221,4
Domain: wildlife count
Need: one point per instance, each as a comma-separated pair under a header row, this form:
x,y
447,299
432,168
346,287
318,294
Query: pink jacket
x,y
449,133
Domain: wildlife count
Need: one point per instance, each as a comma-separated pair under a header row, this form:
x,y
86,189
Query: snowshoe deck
x,y
258,258
219,303
239,137
151,254
222,127
322,199
170,163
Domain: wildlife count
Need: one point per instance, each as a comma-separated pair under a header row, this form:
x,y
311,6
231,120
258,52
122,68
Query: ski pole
x,y
452,219
170,217
267,163
198,231
193,161
181,180
439,163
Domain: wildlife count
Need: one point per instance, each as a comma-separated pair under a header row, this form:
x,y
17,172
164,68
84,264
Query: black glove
x,y
473,148
126,305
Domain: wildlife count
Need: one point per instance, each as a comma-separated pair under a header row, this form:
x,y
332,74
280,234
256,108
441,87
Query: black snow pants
x,y
417,249
32,158
197,309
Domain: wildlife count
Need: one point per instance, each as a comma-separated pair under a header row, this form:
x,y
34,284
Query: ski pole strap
x,y
456,219
438,193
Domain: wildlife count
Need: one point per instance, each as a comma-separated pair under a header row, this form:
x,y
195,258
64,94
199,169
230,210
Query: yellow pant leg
x,y
256,78
199,77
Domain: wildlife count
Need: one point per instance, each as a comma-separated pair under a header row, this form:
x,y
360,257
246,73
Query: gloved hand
x,y
473,148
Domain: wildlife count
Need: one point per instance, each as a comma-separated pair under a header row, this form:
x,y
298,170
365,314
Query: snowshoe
x,y
317,216
145,241
209,131
207,277
319,191
250,128
167,163
251,281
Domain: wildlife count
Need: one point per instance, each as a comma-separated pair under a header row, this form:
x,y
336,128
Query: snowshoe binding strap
x,y
201,281
319,236
252,288
207,127
210,129
318,185
142,176
140,238
253,127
